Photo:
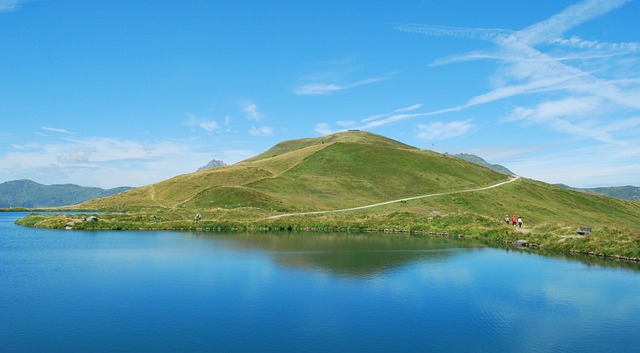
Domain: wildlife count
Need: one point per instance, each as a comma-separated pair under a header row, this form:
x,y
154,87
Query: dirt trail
x,y
394,201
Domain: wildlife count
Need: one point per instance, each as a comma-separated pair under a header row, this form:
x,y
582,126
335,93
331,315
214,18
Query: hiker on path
x,y
506,219
520,222
514,220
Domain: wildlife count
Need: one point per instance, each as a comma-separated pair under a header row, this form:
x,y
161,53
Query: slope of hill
x,y
336,171
480,161
356,168
621,192
27,193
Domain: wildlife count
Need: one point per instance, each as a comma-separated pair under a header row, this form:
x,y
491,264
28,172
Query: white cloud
x,y
261,131
327,88
401,110
380,120
77,156
251,111
474,33
323,129
579,43
53,129
205,124
571,116
317,89
444,130
209,125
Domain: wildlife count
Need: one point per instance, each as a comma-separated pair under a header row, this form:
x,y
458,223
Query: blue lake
x,y
77,291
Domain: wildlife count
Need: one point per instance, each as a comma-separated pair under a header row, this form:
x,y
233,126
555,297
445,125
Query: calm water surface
x,y
76,291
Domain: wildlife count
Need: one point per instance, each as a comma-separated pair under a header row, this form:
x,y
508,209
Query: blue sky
x,y
111,93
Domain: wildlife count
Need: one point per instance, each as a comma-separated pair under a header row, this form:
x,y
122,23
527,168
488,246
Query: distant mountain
x,y
215,163
479,161
27,193
620,192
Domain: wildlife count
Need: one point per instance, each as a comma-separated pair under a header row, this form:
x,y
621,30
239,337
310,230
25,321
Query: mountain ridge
x,y
30,194
627,192
480,161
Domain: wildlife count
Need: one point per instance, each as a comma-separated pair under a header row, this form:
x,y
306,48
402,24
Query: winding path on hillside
x,y
395,201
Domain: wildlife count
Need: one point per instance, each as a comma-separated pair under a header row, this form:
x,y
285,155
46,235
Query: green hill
x,y
27,193
350,169
336,171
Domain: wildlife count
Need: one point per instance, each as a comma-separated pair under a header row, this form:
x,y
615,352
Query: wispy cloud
x,y
460,32
587,97
53,129
261,131
327,88
444,130
77,156
251,111
323,129
9,5
397,111
380,120
207,125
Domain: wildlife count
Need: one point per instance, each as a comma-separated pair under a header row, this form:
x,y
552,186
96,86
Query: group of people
x,y
516,222
197,218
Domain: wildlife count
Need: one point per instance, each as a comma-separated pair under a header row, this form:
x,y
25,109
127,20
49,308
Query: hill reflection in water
x,y
368,255
344,254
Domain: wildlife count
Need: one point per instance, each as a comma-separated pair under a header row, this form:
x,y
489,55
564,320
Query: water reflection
x,y
589,261
360,255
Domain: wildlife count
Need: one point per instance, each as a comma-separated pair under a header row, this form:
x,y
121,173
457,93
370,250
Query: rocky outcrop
x,y
215,163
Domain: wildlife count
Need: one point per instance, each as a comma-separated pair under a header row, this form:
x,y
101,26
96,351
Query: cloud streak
x,y
328,88
53,129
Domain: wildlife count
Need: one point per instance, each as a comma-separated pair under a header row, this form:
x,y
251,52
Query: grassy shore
x,y
618,243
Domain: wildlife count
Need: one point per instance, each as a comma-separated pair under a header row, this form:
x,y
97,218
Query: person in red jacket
x,y
514,220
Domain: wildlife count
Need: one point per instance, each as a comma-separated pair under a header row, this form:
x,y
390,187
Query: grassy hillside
x,y
337,171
